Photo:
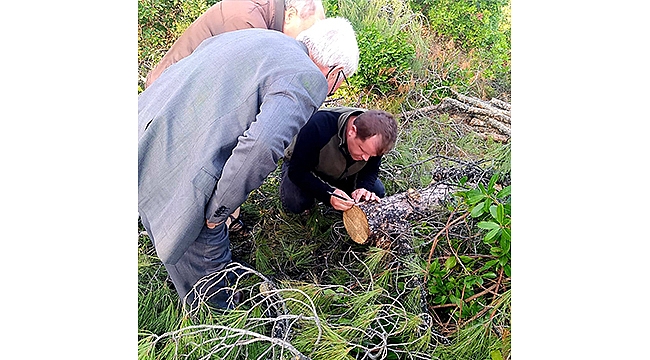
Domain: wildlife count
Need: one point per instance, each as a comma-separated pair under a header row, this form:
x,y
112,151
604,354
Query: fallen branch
x,y
495,113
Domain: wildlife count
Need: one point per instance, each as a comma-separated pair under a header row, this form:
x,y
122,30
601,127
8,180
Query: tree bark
x,y
377,222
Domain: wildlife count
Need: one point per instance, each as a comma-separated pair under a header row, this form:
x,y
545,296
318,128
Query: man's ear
x,y
290,15
353,130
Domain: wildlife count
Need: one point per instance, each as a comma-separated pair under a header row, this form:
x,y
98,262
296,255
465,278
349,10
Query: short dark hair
x,y
373,122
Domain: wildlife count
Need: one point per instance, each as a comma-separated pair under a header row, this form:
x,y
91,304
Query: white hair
x,y
332,42
306,8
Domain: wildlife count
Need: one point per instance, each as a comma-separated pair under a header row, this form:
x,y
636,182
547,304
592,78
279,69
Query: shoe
x,y
233,222
236,225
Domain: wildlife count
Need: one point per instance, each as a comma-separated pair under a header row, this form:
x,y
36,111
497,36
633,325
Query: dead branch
x,y
486,105
494,113
500,104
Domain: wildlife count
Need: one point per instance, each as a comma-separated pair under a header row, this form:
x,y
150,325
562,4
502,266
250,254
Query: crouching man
x,y
335,159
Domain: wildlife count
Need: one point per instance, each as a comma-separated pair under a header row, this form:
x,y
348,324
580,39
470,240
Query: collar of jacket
x,y
346,112
278,17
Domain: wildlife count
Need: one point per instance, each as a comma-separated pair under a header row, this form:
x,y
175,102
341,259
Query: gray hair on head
x,y
306,8
332,42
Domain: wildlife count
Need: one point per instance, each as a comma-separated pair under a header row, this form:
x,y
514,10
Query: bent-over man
x,y
212,128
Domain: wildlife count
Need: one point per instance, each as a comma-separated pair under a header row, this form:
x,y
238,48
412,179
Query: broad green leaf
x,y
490,275
490,237
463,180
503,260
506,234
477,210
483,190
486,206
450,263
435,266
500,214
488,225
489,264
506,270
504,243
495,251
504,192
493,180
465,259
496,355
493,212
473,199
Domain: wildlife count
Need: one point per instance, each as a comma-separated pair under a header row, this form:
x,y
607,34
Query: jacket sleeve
x,y
285,108
311,139
222,17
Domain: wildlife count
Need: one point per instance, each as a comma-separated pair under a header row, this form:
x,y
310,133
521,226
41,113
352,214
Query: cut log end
x,y
356,224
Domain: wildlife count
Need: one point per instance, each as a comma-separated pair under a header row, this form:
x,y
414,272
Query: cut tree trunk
x,y
377,222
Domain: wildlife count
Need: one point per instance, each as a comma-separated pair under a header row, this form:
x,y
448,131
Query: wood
x,y
376,222
356,224
479,114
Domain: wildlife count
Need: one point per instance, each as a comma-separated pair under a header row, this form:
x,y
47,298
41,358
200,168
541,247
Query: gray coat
x,y
214,125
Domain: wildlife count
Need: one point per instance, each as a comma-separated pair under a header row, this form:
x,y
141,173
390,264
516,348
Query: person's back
x,y
202,105
231,15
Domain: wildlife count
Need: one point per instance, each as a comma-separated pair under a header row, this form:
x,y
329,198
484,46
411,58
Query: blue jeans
x,y
210,252
295,200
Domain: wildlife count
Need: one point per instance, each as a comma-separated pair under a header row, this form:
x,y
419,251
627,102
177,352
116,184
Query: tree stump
x,y
376,222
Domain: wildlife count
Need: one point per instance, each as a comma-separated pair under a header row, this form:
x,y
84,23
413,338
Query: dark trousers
x,y
210,252
295,200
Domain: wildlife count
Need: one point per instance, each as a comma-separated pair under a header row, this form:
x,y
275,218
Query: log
x,y
377,222
493,107
450,103
494,113
501,104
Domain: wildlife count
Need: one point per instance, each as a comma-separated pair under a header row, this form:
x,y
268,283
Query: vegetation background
x,y
413,53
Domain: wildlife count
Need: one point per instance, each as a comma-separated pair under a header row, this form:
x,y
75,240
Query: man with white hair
x,y
212,128
288,16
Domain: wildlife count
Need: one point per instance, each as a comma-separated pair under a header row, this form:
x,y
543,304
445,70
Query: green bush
x,y
389,35
480,25
384,59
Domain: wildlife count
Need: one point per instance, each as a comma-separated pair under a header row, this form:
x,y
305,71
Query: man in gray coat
x,y
214,125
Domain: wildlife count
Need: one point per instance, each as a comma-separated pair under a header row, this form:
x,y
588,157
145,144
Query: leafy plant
x,y
384,60
479,26
491,207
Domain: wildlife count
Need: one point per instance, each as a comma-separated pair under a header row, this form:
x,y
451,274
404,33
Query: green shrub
x,y
384,59
389,35
479,25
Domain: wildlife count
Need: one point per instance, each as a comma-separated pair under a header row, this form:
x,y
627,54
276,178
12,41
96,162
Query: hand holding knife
x,y
342,198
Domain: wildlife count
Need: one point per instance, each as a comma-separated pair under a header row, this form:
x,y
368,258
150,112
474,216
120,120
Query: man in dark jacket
x,y
288,16
338,152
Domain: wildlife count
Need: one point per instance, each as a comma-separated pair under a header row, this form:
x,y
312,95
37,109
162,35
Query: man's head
x,y
332,45
300,15
372,133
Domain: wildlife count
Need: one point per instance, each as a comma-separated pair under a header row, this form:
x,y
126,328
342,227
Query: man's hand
x,y
362,194
340,200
